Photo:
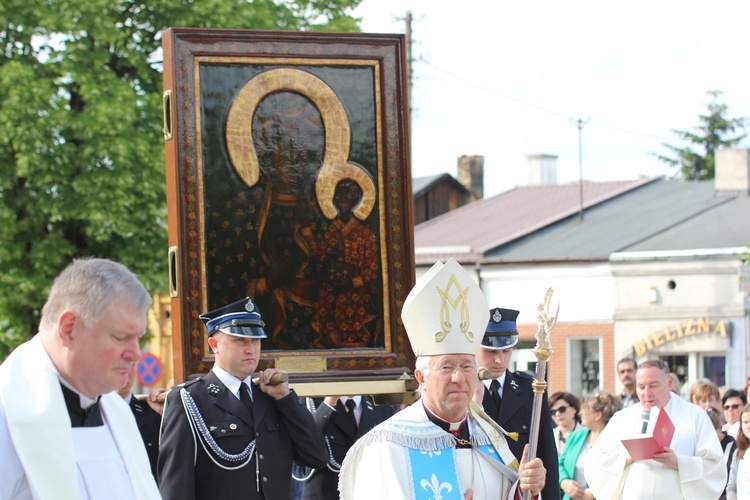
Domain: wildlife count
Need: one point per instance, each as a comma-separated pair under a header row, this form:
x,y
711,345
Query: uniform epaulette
x,y
523,375
188,383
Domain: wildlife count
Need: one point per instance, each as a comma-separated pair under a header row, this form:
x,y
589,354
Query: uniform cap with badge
x,y
501,331
240,319
445,312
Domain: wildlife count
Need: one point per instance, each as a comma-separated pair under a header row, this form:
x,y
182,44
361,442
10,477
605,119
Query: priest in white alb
x,y
692,466
442,446
64,435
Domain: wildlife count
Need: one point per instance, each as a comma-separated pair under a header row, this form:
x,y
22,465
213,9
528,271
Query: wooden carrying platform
x,y
288,181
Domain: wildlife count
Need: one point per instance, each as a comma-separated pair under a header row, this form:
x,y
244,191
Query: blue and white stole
x,y
434,474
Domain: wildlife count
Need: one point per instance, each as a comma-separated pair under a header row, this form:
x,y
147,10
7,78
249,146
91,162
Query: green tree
x,y
81,147
698,164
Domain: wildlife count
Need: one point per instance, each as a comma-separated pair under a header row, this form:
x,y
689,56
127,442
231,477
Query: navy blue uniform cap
x,y
240,319
501,331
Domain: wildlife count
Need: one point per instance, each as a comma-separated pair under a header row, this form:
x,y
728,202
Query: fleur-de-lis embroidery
x,y
431,453
436,487
445,315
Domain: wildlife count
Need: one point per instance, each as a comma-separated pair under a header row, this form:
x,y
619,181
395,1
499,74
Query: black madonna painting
x,y
291,177
294,228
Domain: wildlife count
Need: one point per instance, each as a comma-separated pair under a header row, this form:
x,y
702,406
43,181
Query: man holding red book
x,y
690,467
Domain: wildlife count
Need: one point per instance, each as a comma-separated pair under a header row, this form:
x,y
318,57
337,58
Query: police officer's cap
x,y
240,319
501,331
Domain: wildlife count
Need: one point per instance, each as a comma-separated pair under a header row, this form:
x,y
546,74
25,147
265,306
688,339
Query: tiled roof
x,y
485,225
627,222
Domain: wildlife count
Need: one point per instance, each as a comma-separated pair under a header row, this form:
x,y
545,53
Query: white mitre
x,y
445,312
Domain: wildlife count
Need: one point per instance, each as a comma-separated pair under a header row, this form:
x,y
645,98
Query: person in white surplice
x,y
443,446
691,467
64,433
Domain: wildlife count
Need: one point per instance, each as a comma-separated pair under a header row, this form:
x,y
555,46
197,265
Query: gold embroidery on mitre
x,y
445,315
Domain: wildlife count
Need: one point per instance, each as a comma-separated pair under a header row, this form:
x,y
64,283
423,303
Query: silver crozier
x,y
543,351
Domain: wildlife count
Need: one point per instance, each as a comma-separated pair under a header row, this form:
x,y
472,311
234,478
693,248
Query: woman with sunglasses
x,y
564,408
733,402
738,484
595,413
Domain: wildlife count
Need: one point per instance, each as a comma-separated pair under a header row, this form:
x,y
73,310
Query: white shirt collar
x,y
500,379
232,382
357,400
85,400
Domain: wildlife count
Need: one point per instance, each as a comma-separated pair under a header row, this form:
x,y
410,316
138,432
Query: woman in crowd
x,y
733,402
705,394
738,486
595,413
728,444
564,408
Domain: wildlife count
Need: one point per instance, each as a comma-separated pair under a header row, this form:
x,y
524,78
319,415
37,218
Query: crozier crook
x,y
335,166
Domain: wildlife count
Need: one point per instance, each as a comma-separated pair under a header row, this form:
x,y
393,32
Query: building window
x,y
584,369
714,369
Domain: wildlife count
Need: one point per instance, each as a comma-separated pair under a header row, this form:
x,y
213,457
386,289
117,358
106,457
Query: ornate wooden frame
x,y
214,80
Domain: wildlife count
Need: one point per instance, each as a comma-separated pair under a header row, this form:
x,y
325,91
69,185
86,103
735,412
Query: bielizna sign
x,y
689,327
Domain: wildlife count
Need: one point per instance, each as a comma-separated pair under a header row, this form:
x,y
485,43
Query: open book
x,y
658,435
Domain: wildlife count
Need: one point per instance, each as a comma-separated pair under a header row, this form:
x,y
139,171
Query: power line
x,y
494,92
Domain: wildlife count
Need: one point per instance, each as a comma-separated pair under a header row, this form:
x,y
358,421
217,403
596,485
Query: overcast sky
x,y
506,79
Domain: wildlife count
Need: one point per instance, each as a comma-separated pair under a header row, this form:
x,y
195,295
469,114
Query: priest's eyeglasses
x,y
731,407
448,370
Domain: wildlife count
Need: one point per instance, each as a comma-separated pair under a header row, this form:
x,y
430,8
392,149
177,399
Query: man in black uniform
x,y
342,421
222,435
148,420
508,397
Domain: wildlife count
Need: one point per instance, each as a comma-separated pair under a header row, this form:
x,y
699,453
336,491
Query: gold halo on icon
x,y
336,166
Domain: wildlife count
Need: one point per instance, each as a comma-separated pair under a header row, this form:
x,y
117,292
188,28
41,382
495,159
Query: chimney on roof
x,y
542,169
471,175
732,170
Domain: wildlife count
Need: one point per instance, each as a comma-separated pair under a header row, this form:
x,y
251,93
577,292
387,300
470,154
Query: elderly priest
x,y
442,446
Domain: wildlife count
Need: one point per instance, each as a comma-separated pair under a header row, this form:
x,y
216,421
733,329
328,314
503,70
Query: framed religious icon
x,y
289,182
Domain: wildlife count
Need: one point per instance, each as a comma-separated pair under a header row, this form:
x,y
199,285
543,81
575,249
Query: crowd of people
x,y
241,433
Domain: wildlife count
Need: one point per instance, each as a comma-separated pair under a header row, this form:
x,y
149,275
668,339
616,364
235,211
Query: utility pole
x,y
580,122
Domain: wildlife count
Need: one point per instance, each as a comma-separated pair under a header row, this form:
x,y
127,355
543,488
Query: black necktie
x,y
350,405
495,393
245,398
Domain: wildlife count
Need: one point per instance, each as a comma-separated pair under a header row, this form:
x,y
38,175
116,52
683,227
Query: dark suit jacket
x,y
341,435
283,429
148,422
515,416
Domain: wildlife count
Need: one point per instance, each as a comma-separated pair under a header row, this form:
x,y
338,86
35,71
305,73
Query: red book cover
x,y
645,446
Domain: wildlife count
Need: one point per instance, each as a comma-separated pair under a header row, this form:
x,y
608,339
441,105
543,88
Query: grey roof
x,y
421,184
725,225
541,223
485,225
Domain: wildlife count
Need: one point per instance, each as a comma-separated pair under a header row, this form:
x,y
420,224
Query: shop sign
x,y
687,328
